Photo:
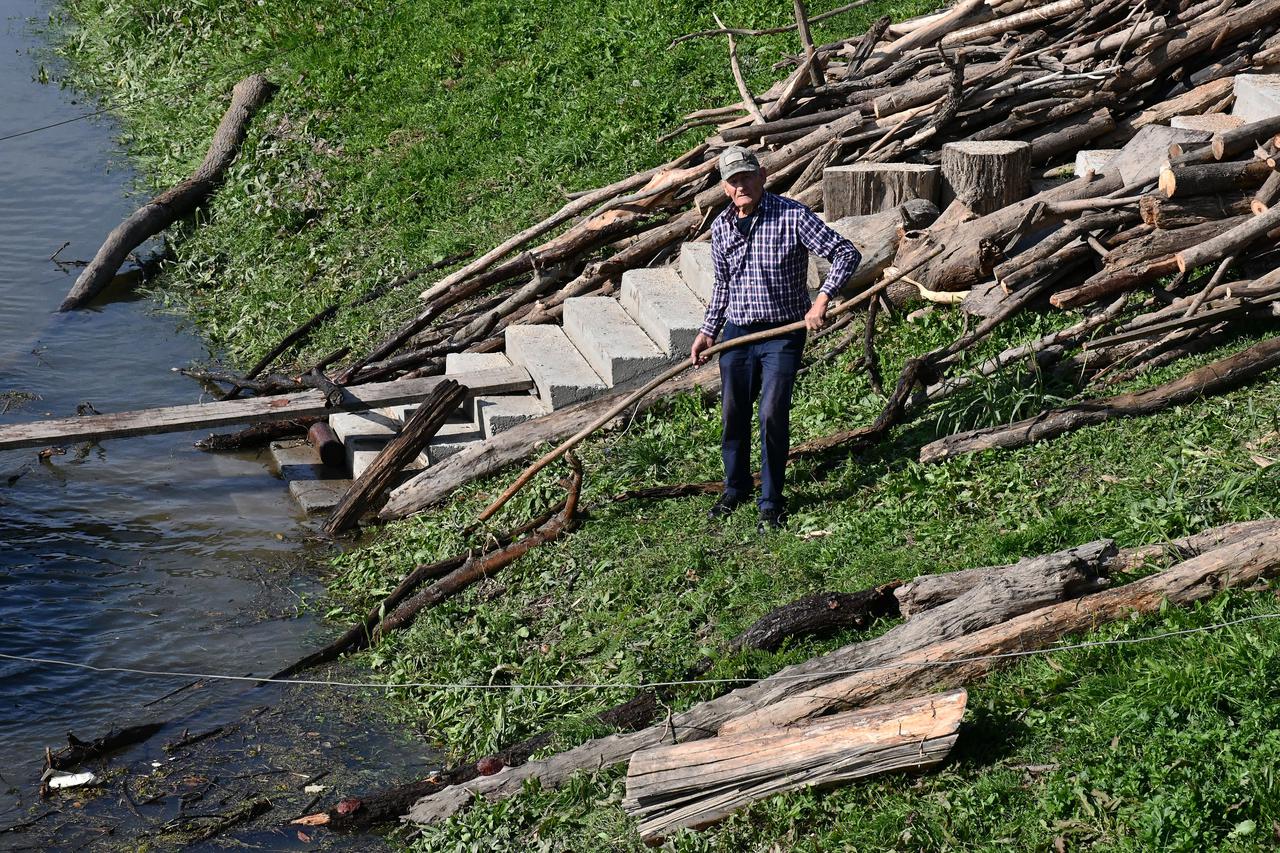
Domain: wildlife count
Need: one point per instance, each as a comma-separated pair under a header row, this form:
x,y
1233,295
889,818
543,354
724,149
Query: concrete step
x,y
316,496
610,341
663,306
315,486
1257,96
559,371
499,413
466,362
452,438
697,270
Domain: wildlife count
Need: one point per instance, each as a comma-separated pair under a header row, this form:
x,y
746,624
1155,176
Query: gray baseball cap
x,y
735,160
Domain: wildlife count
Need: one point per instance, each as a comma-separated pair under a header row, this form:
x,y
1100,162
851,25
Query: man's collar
x,y
730,212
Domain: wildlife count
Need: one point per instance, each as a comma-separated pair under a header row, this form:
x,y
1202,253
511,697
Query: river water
x,y
141,553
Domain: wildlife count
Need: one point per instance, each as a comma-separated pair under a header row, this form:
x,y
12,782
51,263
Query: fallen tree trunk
x,y
1169,213
987,605
1218,378
247,97
962,660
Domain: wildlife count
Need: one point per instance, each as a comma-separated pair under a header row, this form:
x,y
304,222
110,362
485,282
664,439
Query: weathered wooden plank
x,y
698,783
253,410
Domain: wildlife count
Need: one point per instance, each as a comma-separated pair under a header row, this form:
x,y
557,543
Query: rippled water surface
x,y
138,553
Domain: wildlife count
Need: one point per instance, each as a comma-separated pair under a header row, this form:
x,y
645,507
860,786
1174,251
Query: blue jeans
x,y
764,370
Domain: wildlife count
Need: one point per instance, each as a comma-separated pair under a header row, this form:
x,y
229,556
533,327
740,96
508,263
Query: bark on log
x,y
1238,140
1267,194
1218,378
1140,261
988,605
258,435
1044,147
975,655
1205,178
247,97
1231,242
700,783
77,751
861,189
399,452
971,250
1165,213
326,444
1026,18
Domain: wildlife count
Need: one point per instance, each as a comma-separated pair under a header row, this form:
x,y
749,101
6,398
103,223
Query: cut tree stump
x,y
986,176
863,188
399,452
699,783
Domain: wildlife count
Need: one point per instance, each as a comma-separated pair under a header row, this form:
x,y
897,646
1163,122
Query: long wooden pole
x,y
674,371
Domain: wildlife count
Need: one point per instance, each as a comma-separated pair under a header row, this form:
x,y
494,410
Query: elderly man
x,y
760,251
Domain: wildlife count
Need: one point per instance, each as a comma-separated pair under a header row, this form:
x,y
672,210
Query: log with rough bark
x,y
1140,261
964,659
1220,377
247,97
412,439
985,176
1230,242
864,188
1072,136
1246,137
984,606
699,783
1160,212
1267,194
1204,178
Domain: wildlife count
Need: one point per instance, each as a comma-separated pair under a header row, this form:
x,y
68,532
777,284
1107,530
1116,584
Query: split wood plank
x,y
698,783
277,407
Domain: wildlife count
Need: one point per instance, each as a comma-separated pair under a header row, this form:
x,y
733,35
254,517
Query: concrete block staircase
x,y
603,344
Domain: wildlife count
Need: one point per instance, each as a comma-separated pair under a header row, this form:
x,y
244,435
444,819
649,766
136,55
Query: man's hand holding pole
x,y
816,317
702,342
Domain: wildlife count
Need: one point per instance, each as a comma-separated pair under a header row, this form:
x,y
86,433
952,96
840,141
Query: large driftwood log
x,y
982,607
976,654
864,188
1217,378
985,176
699,783
247,97
399,452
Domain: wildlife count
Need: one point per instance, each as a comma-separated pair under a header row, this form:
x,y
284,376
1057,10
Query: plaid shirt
x,y
764,280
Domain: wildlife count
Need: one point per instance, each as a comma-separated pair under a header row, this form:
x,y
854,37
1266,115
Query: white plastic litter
x,y
72,780
313,789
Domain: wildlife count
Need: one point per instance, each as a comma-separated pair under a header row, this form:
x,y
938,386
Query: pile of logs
x,y
1164,111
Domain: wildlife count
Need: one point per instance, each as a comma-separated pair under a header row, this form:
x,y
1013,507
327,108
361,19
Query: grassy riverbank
x,y
404,135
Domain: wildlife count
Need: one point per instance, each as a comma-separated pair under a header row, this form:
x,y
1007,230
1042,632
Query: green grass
x,y
402,137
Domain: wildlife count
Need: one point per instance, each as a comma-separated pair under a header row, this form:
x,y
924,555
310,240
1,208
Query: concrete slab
x,y
1211,122
464,362
560,373
496,414
610,341
294,459
362,458
372,424
696,269
1096,160
316,496
1139,161
661,304
1257,96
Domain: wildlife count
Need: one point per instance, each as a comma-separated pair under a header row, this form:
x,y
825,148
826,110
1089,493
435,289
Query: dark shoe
x,y
771,519
723,508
